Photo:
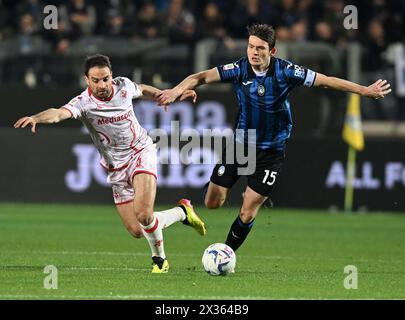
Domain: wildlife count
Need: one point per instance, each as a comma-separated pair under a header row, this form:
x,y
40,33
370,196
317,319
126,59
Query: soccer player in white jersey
x,y
127,152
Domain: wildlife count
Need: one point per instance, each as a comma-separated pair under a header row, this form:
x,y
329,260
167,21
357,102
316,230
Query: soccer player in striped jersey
x,y
127,152
262,83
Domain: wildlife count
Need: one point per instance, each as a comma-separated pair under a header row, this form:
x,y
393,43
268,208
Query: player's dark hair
x,y
264,32
97,60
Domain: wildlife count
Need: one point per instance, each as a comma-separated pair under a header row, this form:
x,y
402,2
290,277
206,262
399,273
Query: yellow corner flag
x,y
352,130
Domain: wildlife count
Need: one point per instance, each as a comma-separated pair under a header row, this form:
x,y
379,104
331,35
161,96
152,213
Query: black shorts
x,y
262,180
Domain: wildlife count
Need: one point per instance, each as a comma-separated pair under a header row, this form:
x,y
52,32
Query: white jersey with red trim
x,y
111,122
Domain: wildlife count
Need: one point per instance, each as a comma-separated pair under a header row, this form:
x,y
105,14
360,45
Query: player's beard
x,y
103,94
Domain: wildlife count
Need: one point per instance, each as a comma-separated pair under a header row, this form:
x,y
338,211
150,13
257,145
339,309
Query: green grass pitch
x,y
290,254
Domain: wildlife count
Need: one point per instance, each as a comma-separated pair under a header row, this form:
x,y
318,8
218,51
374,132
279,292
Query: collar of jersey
x,y
106,99
270,71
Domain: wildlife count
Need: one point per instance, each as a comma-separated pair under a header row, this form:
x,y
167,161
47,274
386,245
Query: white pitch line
x,y
114,253
101,253
102,269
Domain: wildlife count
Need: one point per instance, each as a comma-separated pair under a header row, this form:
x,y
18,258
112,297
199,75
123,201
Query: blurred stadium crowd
x,y
187,21
183,24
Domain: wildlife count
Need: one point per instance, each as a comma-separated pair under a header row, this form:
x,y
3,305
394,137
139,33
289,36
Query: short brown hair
x,y
97,60
264,32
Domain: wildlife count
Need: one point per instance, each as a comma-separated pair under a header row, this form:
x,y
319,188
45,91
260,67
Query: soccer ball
x,y
219,259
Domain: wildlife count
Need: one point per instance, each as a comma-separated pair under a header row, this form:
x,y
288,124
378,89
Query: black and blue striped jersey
x,y
262,99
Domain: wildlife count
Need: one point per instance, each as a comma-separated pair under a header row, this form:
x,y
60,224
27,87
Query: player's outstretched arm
x,y
153,93
377,90
204,77
51,115
149,92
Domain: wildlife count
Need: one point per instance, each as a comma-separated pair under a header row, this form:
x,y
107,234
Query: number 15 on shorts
x,y
269,177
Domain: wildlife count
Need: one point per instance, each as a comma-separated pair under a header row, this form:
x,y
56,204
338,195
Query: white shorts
x,y
144,161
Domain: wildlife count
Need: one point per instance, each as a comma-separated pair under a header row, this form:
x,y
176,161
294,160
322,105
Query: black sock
x,y
238,233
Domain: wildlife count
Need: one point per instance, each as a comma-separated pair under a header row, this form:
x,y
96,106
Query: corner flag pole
x,y
353,136
352,129
350,174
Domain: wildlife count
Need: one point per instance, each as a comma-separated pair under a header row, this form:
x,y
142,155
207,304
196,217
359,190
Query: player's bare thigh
x,y
127,214
252,202
215,196
144,185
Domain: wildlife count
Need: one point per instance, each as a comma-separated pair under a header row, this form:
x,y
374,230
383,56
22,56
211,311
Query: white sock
x,y
168,217
153,233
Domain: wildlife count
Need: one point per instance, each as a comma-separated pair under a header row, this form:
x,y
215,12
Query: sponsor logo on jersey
x,y
299,72
123,93
103,121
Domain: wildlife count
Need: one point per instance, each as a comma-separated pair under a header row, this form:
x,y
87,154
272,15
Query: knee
x,y
246,216
215,197
135,231
144,217
213,203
